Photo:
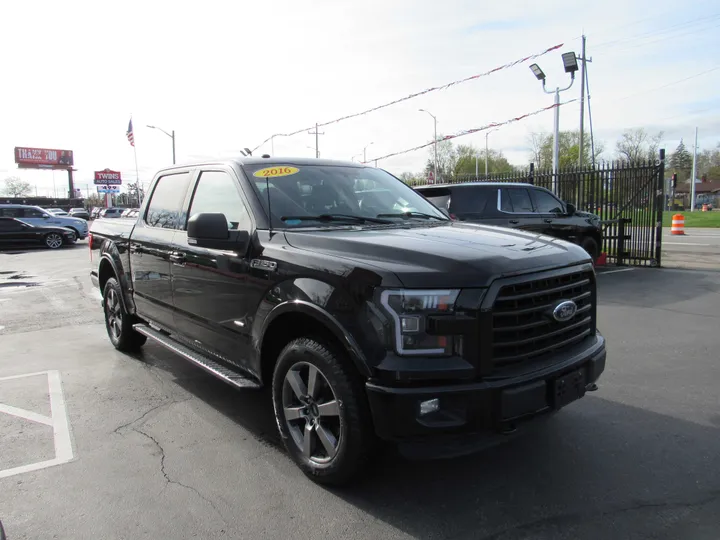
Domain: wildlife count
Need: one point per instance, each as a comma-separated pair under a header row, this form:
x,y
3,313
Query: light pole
x,y
571,66
365,152
434,142
356,155
486,153
171,135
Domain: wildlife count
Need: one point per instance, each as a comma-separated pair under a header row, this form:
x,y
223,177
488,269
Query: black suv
x,y
519,206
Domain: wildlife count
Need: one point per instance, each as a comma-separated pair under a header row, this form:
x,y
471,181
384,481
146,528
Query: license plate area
x,y
566,389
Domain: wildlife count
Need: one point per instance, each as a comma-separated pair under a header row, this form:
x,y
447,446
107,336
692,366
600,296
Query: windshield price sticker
x,y
274,172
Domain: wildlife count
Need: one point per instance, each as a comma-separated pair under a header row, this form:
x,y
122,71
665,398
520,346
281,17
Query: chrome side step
x,y
221,372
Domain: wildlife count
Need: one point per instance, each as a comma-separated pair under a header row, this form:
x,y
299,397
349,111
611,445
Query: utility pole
x,y
317,140
435,141
583,67
694,174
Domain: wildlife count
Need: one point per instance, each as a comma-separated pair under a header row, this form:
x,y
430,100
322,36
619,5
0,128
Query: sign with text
x,y
108,189
108,177
43,158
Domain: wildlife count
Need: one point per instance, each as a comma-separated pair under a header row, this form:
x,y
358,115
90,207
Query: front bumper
x,y
493,404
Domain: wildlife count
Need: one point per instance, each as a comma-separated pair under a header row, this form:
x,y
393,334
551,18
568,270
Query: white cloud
x,y
225,75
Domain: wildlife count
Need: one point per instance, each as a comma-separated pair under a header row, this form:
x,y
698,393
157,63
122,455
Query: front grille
x,y
523,326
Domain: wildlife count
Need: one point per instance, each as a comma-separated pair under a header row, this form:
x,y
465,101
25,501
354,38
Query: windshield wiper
x,y
336,217
408,215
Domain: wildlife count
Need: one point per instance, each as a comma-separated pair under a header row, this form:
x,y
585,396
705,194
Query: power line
x,y
668,84
660,31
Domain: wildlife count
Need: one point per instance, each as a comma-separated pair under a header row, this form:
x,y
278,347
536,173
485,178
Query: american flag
x,y
130,135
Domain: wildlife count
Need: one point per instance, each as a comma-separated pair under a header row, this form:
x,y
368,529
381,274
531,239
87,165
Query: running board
x,y
221,372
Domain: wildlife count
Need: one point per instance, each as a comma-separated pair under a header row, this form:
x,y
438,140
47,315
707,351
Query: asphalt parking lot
x,y
100,445
697,248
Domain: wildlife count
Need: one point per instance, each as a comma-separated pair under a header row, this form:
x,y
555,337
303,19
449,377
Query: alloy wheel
x,y
312,413
53,240
114,313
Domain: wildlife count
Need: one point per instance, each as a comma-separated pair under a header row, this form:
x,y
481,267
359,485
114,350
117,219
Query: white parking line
x,y
616,271
683,244
58,420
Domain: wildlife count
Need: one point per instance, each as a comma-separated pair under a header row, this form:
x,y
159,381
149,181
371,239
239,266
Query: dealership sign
x,y
108,189
43,158
108,177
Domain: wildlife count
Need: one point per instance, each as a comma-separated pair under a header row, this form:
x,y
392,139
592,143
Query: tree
x,y
446,157
681,162
468,157
637,145
568,153
15,187
411,178
94,200
708,164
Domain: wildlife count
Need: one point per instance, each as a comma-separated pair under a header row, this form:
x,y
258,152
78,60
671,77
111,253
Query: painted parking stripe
x,y
616,271
58,420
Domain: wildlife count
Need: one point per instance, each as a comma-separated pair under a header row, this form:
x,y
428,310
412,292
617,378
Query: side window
x,y
11,212
520,199
546,203
505,202
216,193
470,201
9,225
33,213
165,204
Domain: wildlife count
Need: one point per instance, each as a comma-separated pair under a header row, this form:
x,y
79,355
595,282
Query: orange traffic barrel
x,y
678,224
705,208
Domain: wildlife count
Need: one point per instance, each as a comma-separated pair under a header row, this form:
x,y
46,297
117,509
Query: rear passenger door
x,y
515,204
151,247
552,212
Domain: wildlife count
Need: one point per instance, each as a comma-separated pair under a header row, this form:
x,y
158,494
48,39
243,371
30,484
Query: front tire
x,y
118,322
591,246
321,411
53,240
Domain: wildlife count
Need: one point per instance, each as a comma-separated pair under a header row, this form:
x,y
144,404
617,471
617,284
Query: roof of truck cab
x,y
475,184
253,161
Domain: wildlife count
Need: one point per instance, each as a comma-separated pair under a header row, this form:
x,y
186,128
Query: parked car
x,y
111,212
129,212
15,232
95,212
367,314
34,215
57,211
518,206
80,213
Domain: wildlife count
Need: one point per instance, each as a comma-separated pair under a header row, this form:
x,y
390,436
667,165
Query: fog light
x,y
429,406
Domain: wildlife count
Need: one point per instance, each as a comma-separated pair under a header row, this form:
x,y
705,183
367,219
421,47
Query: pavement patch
x,y
26,433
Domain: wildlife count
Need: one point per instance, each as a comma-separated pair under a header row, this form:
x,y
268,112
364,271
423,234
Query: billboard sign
x,y
108,189
43,158
108,177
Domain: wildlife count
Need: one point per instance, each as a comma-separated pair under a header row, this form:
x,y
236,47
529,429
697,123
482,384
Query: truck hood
x,y
453,254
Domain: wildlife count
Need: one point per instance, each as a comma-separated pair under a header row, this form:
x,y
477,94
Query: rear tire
x,y
118,322
326,424
591,246
53,240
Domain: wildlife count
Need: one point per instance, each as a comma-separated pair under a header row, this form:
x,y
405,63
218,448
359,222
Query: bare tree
x,y
15,187
637,145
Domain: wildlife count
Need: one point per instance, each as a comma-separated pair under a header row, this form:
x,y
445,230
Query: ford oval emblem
x,y
564,311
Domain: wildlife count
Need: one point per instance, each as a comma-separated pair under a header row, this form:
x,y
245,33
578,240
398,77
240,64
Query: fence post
x,y
660,206
531,176
621,242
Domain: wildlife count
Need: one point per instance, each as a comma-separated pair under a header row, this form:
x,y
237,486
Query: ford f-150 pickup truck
x,y
367,311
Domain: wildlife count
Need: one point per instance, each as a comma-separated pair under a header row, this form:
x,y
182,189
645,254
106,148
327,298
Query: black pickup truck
x,y
369,313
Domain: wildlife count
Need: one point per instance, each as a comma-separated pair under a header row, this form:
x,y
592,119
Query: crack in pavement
x,y
169,480
562,518
165,403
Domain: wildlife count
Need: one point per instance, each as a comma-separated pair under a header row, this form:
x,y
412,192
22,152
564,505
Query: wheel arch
x,y
107,269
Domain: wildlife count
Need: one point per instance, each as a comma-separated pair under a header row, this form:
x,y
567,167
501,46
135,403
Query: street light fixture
x,y
365,152
570,63
172,136
434,143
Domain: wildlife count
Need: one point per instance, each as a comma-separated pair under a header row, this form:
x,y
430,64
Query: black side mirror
x,y
211,231
570,207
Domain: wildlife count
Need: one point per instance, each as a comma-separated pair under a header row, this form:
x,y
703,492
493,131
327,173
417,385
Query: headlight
x,y
409,310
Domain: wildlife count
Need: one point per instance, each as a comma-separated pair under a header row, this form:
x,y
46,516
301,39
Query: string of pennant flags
x,y
414,95
470,131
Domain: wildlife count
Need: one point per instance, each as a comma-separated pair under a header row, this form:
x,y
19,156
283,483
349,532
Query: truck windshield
x,y
304,191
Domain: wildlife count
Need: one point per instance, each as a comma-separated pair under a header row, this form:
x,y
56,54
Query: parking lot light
x,y
539,73
570,62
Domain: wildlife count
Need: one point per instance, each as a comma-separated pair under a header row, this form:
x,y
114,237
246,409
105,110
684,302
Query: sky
x,y
226,75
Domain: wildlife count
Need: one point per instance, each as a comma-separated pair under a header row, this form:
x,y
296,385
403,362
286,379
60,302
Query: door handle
x,y
514,221
548,220
177,258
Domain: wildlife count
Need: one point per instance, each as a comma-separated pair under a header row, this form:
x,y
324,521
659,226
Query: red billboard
x,y
108,178
43,158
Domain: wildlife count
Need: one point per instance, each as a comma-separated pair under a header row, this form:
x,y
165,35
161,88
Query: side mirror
x,y
46,216
211,231
570,209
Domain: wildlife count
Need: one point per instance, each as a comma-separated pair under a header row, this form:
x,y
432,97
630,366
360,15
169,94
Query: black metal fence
x,y
628,197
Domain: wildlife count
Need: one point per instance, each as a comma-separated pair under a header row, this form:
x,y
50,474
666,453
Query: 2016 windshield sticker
x,y
274,172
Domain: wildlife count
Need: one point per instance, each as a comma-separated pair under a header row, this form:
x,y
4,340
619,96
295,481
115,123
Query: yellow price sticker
x,y
274,172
